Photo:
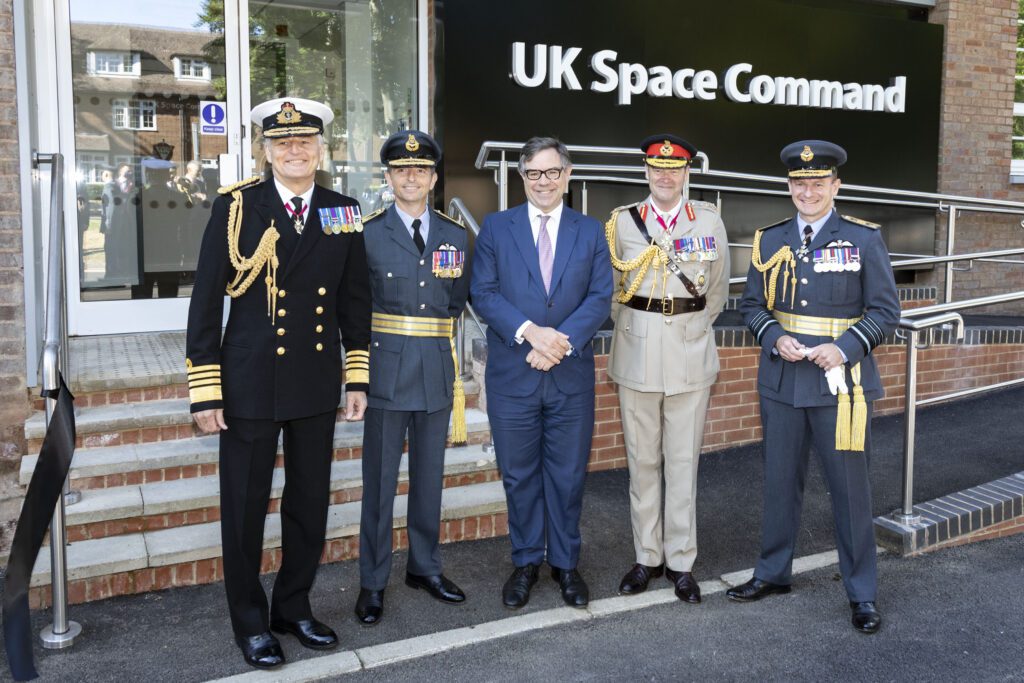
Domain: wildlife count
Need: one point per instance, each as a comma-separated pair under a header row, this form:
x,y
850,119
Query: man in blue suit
x,y
820,297
542,280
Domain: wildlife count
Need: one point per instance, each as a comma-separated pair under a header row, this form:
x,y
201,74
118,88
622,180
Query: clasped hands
x,y
825,356
549,347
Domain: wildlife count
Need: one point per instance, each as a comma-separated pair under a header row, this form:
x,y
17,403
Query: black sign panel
x,y
861,44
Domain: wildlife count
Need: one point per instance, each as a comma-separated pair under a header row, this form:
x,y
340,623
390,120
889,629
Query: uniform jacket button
x,y
422,262
422,306
280,332
280,350
390,275
803,281
803,302
282,312
282,293
319,310
322,291
376,344
319,347
423,283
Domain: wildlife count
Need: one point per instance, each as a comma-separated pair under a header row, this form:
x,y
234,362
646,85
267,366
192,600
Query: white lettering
x,y
854,96
540,65
705,83
660,83
827,94
732,89
792,91
762,89
896,95
561,68
599,63
874,97
632,81
679,84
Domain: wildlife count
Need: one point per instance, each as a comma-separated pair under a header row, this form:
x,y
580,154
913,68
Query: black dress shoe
x,y
865,617
687,588
574,589
369,606
636,579
311,633
516,591
755,589
439,587
262,651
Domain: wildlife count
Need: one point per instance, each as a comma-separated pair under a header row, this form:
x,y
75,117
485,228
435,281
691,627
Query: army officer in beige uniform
x,y
673,258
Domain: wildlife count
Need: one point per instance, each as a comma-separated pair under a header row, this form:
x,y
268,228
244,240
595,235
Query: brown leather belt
x,y
669,305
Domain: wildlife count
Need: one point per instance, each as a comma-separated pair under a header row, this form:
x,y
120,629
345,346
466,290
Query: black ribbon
x,y
690,287
44,491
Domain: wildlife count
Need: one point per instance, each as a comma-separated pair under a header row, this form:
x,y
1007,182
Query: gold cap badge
x,y
411,143
288,114
666,149
806,155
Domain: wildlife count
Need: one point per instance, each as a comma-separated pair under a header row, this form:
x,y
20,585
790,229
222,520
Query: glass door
x,y
153,91
154,100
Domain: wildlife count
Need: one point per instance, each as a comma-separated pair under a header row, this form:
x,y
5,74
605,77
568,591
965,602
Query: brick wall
x,y
14,405
975,128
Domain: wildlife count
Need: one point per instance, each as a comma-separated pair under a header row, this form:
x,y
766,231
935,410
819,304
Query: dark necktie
x,y
808,234
297,214
417,238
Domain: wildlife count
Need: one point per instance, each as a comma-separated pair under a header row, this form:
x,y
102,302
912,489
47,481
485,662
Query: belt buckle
x,y
668,306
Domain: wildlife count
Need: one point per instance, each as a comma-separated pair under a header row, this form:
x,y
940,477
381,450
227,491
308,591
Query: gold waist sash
x,y
414,326
411,326
809,324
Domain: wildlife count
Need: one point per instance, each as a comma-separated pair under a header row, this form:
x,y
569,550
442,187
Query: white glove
x,y
836,378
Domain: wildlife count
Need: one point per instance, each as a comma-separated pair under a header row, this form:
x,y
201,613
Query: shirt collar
x,y
555,214
407,219
816,225
286,194
671,214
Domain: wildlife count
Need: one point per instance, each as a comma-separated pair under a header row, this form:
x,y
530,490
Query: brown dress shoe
x,y
687,588
636,579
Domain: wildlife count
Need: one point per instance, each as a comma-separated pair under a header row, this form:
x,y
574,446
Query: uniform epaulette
x,y
774,225
625,207
704,205
241,184
369,217
861,221
451,220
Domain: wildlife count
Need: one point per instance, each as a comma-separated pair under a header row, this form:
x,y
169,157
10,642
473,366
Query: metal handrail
x,y
62,632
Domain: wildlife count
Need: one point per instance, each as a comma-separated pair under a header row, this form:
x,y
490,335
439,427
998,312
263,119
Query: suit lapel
x,y
398,233
567,232
522,235
311,234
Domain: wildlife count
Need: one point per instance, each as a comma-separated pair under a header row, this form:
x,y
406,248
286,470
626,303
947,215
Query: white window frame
x,y
133,113
180,71
90,164
134,57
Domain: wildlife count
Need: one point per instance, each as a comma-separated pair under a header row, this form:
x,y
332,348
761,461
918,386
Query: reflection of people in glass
x,y
163,213
120,213
196,209
192,184
107,179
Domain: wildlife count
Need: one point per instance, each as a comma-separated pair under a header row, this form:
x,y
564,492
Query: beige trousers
x,y
663,437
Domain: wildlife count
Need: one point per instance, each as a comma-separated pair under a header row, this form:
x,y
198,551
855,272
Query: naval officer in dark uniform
x,y
820,296
290,254
420,283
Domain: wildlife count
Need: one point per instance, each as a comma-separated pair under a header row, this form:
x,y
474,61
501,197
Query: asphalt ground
x,y
949,615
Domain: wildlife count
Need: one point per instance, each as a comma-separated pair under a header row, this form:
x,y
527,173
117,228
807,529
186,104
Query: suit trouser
x,y
248,449
663,437
542,444
383,437
789,434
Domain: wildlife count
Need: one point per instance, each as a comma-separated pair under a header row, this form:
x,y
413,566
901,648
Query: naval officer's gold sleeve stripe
x,y
203,368
357,376
202,376
203,394
207,383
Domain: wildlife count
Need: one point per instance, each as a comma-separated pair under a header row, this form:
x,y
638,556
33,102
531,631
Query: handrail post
x,y
906,514
950,248
460,343
503,183
583,198
62,632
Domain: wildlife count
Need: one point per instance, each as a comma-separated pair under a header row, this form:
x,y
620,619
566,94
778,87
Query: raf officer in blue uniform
x,y
820,296
420,283
290,255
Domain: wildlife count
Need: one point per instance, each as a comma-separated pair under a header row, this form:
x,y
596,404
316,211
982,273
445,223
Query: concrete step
x,y
133,464
129,509
153,560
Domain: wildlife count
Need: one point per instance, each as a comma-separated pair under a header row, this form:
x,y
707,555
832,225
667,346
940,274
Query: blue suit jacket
x,y
507,290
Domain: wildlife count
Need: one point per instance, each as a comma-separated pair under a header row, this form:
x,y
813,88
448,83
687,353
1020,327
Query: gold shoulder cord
x,y
776,263
653,254
248,269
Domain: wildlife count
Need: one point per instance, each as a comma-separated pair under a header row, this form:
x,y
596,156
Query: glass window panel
x,y
359,58
144,190
1018,150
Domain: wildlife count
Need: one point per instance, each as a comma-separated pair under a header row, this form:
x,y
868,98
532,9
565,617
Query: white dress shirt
x,y
554,219
286,198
